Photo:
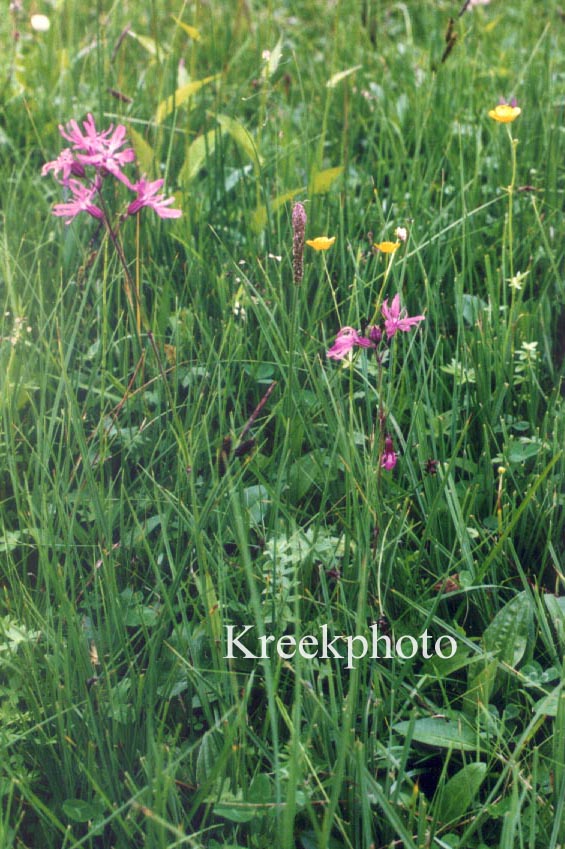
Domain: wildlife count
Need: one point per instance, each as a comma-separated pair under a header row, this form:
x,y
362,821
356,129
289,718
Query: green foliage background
x,y
137,520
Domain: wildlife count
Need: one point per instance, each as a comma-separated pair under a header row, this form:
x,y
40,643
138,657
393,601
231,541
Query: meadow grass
x,y
192,460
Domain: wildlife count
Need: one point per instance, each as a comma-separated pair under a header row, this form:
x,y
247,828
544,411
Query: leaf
x,y
446,734
459,792
79,811
144,153
257,501
304,473
208,756
341,75
549,705
196,155
191,31
260,789
473,306
241,137
180,96
505,641
522,451
259,216
148,43
229,809
556,609
272,62
322,181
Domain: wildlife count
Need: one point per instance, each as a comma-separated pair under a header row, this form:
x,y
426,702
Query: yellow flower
x,y
387,247
504,113
321,243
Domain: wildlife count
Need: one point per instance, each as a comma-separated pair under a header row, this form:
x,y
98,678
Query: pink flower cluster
x,y
395,319
93,156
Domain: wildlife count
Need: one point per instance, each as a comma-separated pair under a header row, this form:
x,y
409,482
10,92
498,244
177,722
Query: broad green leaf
x,y
548,706
507,635
233,808
191,31
459,792
257,502
304,473
198,150
341,75
260,789
208,755
259,216
473,307
322,181
180,97
79,811
242,137
272,62
444,733
505,641
522,451
144,153
556,609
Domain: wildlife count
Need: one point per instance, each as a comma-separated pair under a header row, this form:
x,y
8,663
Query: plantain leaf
x,y
459,792
242,137
259,216
180,97
144,153
556,609
505,642
272,62
341,75
322,181
196,155
191,31
208,755
442,733
148,43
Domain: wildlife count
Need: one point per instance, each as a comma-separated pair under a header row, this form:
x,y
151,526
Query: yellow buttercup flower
x,y
321,243
387,247
504,113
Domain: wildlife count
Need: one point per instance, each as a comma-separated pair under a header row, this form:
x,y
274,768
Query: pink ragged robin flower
x,y
347,339
88,142
147,196
389,456
100,149
66,164
396,319
82,202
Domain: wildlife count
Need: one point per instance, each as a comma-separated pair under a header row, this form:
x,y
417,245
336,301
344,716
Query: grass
x,y
199,463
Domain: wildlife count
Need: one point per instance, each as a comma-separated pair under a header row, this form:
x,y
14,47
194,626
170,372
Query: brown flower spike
x,y
298,229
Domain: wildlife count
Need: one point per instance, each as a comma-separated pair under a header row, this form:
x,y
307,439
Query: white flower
x,y
40,23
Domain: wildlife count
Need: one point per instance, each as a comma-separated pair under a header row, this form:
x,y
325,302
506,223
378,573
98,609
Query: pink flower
x,y
345,341
108,157
389,456
100,149
66,163
375,334
82,202
90,141
147,196
396,319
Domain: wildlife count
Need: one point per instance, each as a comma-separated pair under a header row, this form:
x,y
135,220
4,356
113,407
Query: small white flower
x,y
517,281
40,23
